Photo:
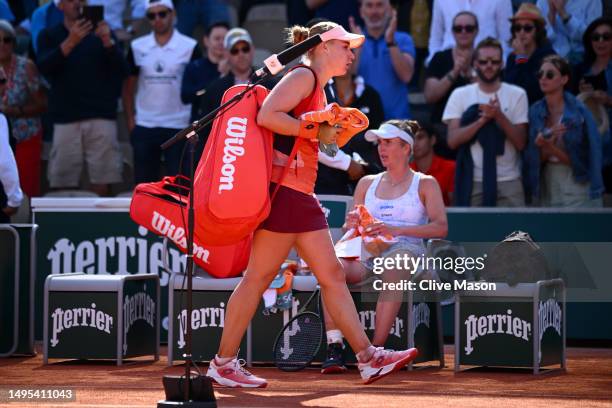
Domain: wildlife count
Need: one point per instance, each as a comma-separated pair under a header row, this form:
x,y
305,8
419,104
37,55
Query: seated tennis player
x,y
407,205
296,218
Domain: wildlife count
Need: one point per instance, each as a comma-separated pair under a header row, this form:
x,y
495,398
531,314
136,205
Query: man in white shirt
x,y
488,168
157,62
493,21
10,192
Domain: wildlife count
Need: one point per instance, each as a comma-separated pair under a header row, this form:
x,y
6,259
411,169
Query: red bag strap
x,y
294,150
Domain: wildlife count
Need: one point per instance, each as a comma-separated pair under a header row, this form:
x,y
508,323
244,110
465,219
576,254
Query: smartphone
x,y
95,14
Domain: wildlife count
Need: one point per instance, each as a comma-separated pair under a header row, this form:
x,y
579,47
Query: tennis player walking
x,y
296,218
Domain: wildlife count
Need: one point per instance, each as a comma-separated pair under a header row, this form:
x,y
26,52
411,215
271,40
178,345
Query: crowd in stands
x,y
516,111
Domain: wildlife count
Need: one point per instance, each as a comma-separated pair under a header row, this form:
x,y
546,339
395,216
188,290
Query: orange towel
x,y
375,245
351,120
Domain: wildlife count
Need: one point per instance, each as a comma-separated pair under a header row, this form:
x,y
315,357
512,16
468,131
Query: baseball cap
x,y
165,3
235,35
388,131
339,33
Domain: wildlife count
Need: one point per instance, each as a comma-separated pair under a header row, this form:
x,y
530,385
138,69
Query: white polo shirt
x,y
160,72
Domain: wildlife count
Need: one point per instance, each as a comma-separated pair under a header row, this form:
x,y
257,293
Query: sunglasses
x,y
245,50
596,37
2,81
161,14
489,61
464,29
546,74
526,28
6,40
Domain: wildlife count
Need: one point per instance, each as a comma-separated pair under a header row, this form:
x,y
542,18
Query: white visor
x,y
388,131
339,33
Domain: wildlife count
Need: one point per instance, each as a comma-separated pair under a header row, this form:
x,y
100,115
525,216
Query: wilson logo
x,y
235,134
165,227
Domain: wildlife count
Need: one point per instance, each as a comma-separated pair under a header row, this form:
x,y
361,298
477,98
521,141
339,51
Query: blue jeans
x,y
206,12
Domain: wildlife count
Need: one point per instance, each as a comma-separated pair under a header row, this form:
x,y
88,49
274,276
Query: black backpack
x,y
517,259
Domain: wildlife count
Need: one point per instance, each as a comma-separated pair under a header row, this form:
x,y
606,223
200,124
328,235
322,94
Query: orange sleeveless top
x,y
302,173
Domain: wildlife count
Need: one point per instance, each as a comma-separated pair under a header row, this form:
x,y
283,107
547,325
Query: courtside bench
x,y
101,316
421,328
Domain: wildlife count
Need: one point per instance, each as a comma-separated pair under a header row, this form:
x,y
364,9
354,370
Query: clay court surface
x,y
586,383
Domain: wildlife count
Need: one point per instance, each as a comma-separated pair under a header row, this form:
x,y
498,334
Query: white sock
x,y
222,360
334,336
366,354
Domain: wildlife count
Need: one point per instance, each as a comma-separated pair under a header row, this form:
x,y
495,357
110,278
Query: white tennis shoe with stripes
x,y
233,374
385,362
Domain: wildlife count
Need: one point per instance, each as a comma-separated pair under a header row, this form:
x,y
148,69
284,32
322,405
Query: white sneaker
x,y
233,374
385,362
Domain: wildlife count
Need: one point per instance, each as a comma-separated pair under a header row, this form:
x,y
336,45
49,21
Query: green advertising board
x,y
98,237
86,335
17,277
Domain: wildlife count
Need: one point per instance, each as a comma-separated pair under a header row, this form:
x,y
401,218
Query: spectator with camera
x,y
564,148
85,68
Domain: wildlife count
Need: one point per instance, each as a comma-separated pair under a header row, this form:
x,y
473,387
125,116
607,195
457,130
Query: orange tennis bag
x,y
161,207
231,191
233,177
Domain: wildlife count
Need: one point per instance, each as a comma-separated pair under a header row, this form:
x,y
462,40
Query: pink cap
x,y
339,33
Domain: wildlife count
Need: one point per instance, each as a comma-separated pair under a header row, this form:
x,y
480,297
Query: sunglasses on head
x,y
596,37
245,50
546,74
161,14
519,27
6,40
489,61
468,28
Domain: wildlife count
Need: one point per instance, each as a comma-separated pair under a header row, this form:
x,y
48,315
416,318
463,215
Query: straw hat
x,y
528,11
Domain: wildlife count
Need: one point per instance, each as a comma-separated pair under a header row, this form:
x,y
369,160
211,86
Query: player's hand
x,y
328,134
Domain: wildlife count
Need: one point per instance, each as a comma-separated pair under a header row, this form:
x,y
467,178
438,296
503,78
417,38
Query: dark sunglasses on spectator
x,y
487,61
2,81
526,28
245,50
464,28
6,40
596,37
548,74
161,14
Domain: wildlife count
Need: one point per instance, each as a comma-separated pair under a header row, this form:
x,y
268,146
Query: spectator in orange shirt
x,y
426,161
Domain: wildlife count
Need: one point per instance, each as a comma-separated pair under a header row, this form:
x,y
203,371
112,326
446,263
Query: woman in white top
x,y
407,205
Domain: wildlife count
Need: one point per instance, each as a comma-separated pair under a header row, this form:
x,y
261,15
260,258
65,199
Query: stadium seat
x,y
260,55
265,23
